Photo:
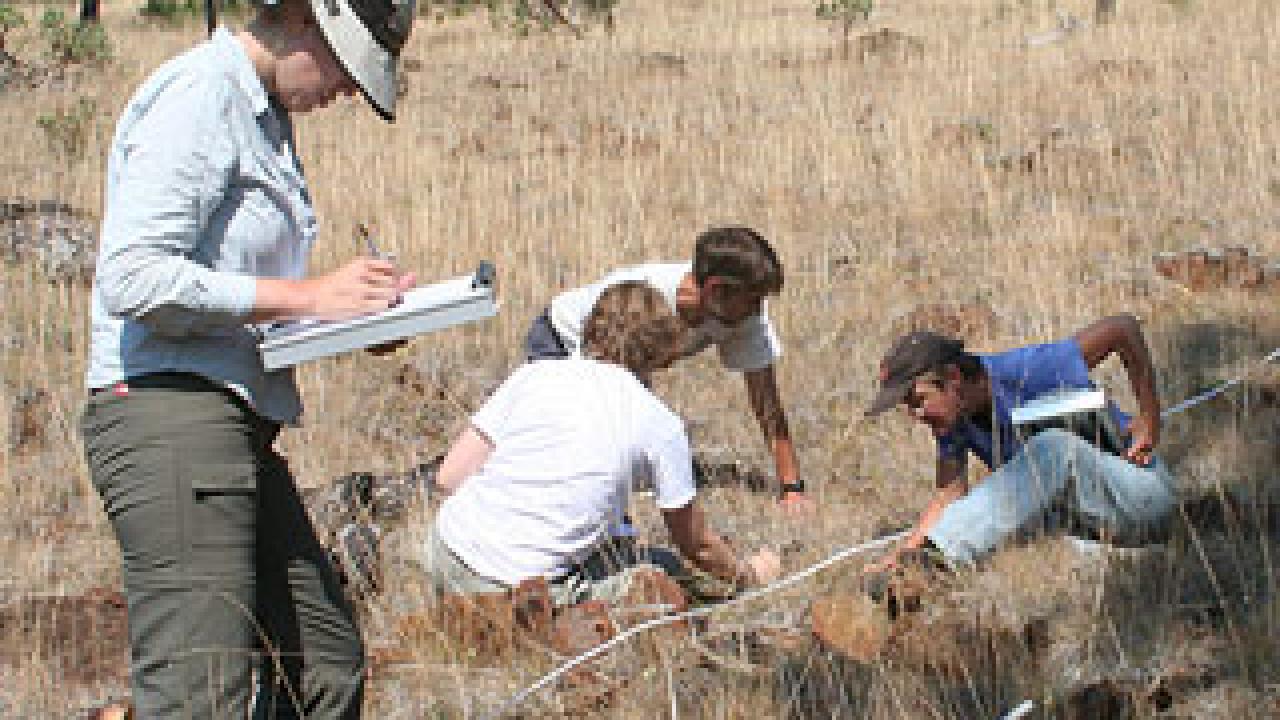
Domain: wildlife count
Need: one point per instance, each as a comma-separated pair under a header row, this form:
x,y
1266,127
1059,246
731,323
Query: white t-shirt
x,y
750,345
571,439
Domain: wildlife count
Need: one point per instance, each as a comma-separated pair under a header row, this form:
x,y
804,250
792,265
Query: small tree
x,y
68,130
10,19
846,13
69,44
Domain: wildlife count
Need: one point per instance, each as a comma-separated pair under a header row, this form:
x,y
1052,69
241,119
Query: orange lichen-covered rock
x,y
851,625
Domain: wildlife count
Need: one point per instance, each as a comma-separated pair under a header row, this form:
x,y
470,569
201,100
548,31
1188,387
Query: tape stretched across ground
x,y
876,544
696,612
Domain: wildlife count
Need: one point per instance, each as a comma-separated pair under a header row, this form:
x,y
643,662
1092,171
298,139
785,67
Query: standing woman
x,y
207,229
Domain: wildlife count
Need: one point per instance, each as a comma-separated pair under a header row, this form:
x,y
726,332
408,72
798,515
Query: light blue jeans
x,y
1057,479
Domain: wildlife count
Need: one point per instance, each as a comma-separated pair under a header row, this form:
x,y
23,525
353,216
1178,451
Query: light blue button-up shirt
x,y
204,194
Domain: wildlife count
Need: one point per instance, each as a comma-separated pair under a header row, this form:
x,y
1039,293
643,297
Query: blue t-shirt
x,y
1018,376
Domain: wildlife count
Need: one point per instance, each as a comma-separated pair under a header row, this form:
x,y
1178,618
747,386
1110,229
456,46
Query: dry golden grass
x,y
887,180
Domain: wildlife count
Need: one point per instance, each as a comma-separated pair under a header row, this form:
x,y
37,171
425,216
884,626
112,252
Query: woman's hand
x,y
363,285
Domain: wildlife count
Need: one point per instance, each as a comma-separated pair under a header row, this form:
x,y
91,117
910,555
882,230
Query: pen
x,y
363,235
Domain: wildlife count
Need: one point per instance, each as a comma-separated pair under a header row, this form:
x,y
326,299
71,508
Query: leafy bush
x,y
11,18
72,43
845,10
177,11
68,130
524,16
846,13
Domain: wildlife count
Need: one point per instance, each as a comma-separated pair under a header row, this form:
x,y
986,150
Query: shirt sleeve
x,y
753,345
1038,369
172,167
671,464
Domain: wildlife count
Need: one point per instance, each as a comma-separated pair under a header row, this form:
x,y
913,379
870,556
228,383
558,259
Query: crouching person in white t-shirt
x,y
548,463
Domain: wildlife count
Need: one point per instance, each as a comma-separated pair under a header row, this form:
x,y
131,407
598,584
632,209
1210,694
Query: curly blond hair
x,y
633,326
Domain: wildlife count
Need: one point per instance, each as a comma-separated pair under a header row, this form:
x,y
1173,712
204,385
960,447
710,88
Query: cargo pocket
x,y
224,505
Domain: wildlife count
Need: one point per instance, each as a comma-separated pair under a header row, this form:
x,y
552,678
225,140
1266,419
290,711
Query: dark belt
x,y
187,382
163,381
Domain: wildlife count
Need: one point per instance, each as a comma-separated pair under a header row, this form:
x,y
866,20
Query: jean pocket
x,y
224,505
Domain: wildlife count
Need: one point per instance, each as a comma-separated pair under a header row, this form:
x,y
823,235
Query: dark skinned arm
x,y
951,483
710,553
762,391
1122,335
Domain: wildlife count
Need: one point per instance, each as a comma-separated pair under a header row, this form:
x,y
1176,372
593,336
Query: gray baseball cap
x,y
367,36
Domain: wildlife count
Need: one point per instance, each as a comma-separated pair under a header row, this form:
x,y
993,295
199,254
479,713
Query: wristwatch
x,y
793,487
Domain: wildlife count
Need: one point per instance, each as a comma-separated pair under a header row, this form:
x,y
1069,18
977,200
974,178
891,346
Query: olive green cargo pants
x,y
221,562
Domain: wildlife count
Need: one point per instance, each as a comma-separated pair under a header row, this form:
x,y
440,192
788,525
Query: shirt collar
x,y
242,70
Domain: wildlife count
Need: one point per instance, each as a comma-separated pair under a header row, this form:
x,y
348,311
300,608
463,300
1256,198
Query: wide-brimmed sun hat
x,y
367,37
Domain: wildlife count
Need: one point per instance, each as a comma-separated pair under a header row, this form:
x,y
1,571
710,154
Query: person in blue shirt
x,y
967,399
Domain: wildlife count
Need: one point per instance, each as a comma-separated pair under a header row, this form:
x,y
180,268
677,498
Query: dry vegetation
x,y
944,163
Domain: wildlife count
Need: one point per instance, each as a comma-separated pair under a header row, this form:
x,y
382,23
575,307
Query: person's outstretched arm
x,y
951,484
710,553
766,404
467,455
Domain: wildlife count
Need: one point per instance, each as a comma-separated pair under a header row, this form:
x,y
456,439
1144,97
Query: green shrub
x,y
178,11
522,16
11,18
845,13
68,130
71,43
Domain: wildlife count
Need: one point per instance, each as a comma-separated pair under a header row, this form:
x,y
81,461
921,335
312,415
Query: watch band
x,y
793,487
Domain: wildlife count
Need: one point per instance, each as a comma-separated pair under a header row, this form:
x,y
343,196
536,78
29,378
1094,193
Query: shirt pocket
x,y
224,505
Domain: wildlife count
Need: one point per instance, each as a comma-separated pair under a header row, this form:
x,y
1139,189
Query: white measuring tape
x,y
789,580
1215,392
696,612
1023,708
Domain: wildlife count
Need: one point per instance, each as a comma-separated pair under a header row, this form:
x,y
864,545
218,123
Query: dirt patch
x,y
1067,153
966,134
1106,72
490,81
55,237
29,420
16,74
1202,270
84,639
886,44
709,472
967,321
661,64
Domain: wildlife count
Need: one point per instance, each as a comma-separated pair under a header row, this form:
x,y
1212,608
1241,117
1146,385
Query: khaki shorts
x,y
606,575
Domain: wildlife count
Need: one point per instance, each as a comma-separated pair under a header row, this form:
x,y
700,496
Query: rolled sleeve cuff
x,y
234,295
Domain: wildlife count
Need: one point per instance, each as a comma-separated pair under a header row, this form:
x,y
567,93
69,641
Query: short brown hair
x,y
740,256
283,16
633,326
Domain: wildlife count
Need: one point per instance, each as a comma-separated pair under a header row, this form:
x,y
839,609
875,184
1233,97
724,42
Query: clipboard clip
x,y
486,276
